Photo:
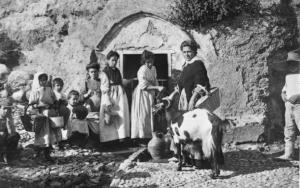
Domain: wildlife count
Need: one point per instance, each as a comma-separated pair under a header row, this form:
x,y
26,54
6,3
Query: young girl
x,y
96,85
118,127
143,98
43,98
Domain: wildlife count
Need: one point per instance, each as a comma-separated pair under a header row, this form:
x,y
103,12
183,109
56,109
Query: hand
x,y
176,88
88,94
295,99
284,97
191,106
160,88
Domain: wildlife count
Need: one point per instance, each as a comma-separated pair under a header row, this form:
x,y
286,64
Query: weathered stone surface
x,y
57,36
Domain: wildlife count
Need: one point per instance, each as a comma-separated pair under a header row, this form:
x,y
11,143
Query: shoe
x,y
173,159
283,157
288,152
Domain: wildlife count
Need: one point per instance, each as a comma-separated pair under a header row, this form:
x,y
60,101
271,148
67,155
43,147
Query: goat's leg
x,y
179,167
214,166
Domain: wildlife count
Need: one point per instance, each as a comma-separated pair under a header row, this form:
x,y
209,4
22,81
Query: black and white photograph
x,y
149,93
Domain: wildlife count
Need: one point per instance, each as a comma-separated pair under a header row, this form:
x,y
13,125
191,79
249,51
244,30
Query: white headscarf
x,y
35,82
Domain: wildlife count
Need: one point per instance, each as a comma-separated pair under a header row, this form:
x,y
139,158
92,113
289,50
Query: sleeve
x,y
201,77
105,100
142,78
52,94
284,89
33,97
84,88
104,83
10,125
155,76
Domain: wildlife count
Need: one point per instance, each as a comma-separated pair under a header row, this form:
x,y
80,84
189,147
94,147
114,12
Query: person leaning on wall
x,y
291,96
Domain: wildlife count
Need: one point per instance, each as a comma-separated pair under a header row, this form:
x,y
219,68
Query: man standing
x,y
291,96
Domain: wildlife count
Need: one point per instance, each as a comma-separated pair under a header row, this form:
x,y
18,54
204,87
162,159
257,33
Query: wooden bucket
x,y
211,102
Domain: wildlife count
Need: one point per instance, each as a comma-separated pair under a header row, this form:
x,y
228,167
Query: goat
x,y
194,127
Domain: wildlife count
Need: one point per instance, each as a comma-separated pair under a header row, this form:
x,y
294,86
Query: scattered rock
x,y
99,167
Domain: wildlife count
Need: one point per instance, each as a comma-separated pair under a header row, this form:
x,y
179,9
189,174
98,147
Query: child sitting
x,y
77,125
9,138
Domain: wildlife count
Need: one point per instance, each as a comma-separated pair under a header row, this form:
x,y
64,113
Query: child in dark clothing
x,y
9,138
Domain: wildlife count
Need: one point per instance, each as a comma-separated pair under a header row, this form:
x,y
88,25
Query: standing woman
x,y
143,98
193,80
118,127
193,83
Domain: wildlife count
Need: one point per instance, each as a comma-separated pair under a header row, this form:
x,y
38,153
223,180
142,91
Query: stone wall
x,y
57,36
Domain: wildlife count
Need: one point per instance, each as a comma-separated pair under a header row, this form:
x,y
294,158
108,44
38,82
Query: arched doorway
x,y
141,31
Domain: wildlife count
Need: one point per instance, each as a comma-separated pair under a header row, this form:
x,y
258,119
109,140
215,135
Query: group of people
x,y
104,97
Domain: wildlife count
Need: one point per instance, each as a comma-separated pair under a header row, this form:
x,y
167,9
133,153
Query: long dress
x,y
142,101
45,135
119,126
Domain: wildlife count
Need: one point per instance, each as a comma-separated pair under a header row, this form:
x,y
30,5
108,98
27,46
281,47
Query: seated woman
x,y
193,78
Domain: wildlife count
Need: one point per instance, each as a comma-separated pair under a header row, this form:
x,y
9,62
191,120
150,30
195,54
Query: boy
x,y
77,125
291,97
61,105
42,97
9,138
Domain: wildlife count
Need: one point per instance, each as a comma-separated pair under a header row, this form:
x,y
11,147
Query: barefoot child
x,y
62,102
42,98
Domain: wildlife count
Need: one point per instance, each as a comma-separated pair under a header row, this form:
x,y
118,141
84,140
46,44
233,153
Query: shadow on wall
x,y
275,106
9,51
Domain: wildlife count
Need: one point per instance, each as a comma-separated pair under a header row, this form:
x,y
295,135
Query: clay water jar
x,y
156,146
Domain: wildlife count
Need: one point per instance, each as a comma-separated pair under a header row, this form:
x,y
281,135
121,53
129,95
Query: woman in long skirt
x,y
119,126
143,98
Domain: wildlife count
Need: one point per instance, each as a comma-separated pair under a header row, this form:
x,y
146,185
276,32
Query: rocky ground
x,y
247,165
90,166
244,168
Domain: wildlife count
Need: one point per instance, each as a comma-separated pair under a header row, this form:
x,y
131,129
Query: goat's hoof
x,y
214,176
179,168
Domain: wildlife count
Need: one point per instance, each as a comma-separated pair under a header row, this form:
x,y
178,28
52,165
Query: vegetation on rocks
x,y
192,14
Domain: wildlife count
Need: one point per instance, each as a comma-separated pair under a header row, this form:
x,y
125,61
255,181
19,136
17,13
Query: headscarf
x,y
35,82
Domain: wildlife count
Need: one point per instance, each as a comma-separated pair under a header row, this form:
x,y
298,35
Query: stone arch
x,y
117,27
